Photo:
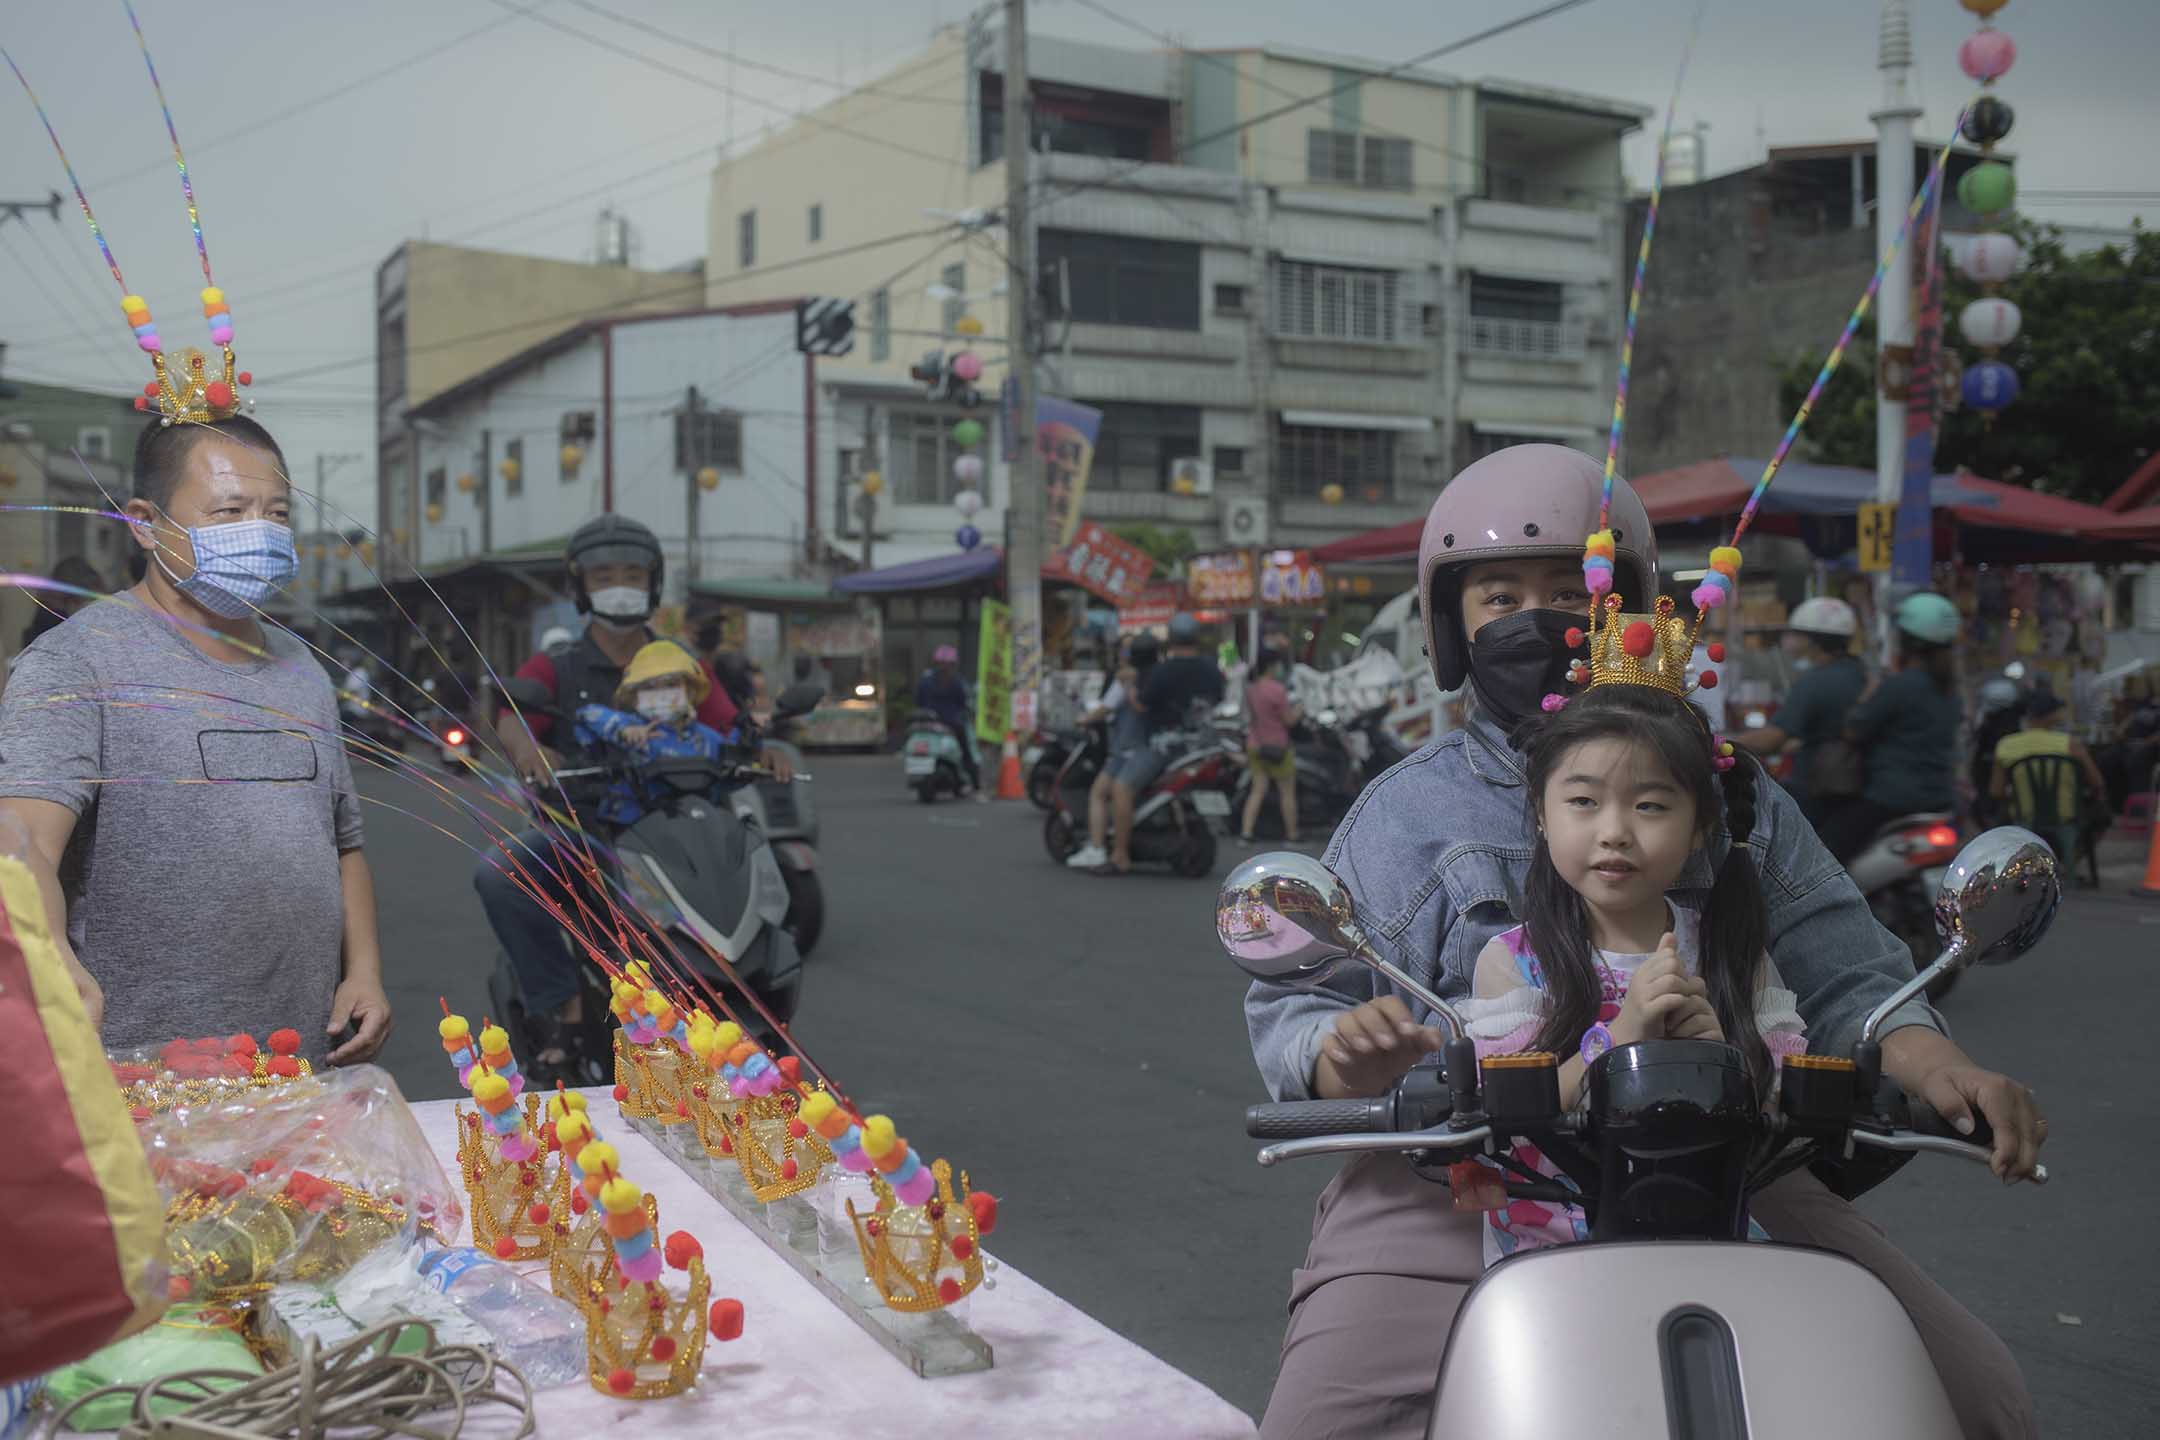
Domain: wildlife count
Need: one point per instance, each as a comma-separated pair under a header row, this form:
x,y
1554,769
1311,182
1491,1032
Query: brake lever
x,y
1936,1145
1436,1139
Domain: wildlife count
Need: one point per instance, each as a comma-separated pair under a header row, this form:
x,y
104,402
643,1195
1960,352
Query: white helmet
x,y
557,637
1824,616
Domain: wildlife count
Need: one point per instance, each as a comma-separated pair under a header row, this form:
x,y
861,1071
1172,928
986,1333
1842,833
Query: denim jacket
x,y
1436,852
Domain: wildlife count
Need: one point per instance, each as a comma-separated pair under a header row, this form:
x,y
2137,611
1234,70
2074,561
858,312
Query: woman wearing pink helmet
x,y
1437,851
944,694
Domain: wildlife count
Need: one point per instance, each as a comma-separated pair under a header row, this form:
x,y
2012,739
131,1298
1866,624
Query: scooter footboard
x,y
1677,1337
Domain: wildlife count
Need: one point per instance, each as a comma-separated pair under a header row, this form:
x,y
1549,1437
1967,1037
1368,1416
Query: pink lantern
x,y
1991,258
1987,55
968,366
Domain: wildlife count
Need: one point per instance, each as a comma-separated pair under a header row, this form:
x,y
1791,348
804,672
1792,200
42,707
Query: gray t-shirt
x,y
202,882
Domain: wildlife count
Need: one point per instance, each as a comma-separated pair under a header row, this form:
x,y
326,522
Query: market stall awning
x,y
2013,507
1373,547
1711,489
939,572
773,594
2131,525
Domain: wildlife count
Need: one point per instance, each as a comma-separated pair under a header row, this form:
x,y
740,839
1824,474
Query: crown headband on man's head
x,y
187,390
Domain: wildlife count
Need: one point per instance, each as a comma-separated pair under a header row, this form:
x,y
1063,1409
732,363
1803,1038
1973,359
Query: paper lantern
x,y
968,503
967,325
434,513
1983,8
1331,494
967,432
1183,484
1988,188
967,537
1989,322
468,482
572,457
1990,385
708,478
1988,121
1987,55
1990,259
509,469
872,483
967,365
968,469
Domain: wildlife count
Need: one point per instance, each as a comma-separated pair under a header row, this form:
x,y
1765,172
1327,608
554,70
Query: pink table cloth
x,y
804,1369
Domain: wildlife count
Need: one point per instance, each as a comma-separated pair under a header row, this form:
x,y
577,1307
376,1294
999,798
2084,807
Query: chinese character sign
x,y
993,672
1065,434
1222,581
1102,564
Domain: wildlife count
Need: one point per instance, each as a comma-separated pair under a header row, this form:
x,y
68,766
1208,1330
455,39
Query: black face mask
x,y
1519,659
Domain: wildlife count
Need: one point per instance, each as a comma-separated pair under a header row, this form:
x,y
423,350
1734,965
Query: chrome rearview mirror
x,y
1287,919
1998,897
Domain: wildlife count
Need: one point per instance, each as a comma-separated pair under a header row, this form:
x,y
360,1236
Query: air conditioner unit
x,y
1192,476
1245,521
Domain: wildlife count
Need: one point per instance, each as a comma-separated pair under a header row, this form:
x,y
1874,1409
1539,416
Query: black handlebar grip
x,y
1927,1121
1303,1119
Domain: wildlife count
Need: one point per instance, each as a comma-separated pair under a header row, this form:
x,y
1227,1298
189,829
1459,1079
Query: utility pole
x,y
1024,555
1893,305
325,465
867,490
690,466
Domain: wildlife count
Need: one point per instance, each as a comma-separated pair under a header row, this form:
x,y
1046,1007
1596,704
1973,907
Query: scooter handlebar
x,y
1301,1119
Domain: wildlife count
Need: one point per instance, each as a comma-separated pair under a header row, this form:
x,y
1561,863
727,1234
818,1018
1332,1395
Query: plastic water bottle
x,y
528,1326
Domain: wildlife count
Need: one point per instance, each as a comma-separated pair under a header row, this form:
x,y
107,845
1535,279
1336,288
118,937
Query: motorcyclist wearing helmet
x,y
1436,852
1818,641
616,568
1905,728
944,694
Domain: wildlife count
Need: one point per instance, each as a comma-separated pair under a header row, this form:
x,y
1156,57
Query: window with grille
x,y
881,325
919,457
1495,297
438,485
955,280
1333,302
1124,280
1309,458
1138,444
1229,460
817,223
746,239
1331,157
514,481
708,437
1387,163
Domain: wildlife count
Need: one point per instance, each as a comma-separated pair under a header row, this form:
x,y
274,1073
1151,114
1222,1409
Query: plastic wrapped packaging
x,y
293,1182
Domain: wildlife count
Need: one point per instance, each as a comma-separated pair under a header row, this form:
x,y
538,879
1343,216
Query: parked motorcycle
x,y
697,868
453,741
1335,762
1175,819
1675,1325
931,758
1899,873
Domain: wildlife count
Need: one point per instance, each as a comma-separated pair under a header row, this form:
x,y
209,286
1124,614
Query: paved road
x,y
1076,1045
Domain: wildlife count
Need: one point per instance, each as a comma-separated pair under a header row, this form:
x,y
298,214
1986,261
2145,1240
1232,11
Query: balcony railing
x,y
1525,339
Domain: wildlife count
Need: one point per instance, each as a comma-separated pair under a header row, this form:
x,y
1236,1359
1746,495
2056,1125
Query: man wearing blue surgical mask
x,y
176,762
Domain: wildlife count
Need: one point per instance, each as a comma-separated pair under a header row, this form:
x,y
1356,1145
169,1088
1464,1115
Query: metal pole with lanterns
x,y
1893,303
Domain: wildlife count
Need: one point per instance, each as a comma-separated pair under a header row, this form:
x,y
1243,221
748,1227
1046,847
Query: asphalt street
x,y
1076,1044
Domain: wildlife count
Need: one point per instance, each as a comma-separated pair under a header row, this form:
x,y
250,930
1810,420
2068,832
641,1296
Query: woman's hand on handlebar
x,y
776,759
536,766
1955,1091
1370,1048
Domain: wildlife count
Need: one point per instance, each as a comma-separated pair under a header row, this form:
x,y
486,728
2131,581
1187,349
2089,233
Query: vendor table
x,y
804,1369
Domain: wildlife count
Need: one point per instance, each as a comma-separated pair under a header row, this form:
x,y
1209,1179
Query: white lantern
x,y
1989,322
968,469
1991,258
968,503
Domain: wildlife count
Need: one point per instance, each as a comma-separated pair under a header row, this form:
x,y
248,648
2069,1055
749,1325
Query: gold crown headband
x,y
187,391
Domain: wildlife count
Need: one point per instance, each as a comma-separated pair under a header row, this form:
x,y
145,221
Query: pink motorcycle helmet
x,y
945,655
1532,501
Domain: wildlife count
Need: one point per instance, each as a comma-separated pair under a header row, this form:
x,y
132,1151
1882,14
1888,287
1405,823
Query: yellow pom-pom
x,y
489,1086
494,1040
620,1197
598,1158
211,295
655,1002
134,302
1725,749
1600,543
701,1041
877,1135
1725,560
453,1027
816,1108
571,1128
726,1036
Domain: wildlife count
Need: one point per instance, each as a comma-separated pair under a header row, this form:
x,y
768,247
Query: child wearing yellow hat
x,y
655,715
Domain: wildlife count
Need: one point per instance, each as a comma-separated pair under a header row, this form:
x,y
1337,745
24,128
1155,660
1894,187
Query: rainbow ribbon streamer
x,y
1642,268
187,186
68,165
1852,326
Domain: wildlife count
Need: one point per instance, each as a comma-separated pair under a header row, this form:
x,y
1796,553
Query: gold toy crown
x,y
514,1200
187,393
920,1257
642,1341
780,1156
1650,650
582,1264
654,1082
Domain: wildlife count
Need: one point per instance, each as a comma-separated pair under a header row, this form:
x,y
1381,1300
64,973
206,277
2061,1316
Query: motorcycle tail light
x,y
1942,837
453,737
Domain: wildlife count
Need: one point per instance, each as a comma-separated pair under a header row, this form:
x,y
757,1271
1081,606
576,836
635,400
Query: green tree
x,y
2088,363
1167,548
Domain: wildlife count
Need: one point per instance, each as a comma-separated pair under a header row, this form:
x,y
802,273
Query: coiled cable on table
x,y
358,1386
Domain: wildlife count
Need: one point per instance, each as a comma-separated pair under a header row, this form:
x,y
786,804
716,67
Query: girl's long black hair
x,y
1735,925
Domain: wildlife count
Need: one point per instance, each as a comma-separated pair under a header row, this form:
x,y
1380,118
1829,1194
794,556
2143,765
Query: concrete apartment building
x,y
445,313
1364,292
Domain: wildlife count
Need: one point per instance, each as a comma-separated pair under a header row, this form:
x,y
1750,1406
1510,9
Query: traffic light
x,y
934,373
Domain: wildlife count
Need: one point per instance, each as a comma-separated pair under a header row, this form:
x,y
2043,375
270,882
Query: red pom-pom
x,y
787,1169
663,1348
984,1204
505,1247
246,377
538,1214
578,1203
219,394
141,1112
948,1290
1717,654
141,403
285,1042
620,1380
1574,636
727,1319
1638,639
797,1129
284,1067
149,391
790,1070
682,1247
241,1066
962,1246
1707,680
240,1045
622,1093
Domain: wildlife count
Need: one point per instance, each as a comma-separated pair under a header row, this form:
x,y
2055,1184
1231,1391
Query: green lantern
x,y
1988,188
967,432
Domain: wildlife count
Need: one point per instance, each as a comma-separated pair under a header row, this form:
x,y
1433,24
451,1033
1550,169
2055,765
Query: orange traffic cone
x,y
2150,890
1009,786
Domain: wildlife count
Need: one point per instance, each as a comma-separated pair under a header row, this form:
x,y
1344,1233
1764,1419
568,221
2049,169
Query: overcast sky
x,y
321,135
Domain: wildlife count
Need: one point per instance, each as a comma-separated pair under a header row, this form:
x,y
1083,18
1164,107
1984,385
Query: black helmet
x,y
613,540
